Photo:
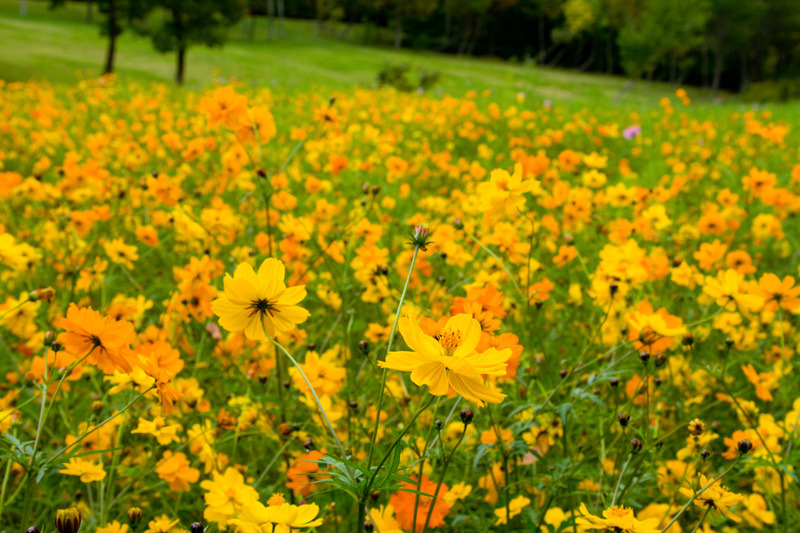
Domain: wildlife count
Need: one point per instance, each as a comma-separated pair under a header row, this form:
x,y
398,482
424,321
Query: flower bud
x,y
33,529
623,419
49,338
134,516
68,520
197,527
364,346
46,295
744,446
458,223
705,454
636,445
97,406
438,425
467,415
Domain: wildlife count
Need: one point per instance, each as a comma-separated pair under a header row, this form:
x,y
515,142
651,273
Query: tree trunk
x,y
281,10
113,31
717,76
745,82
271,19
542,52
181,64
23,8
610,56
398,32
90,11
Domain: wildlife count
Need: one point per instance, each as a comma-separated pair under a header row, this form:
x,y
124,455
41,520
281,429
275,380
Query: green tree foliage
x,y
189,22
664,35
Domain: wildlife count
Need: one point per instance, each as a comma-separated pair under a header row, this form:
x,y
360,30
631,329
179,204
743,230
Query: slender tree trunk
x,y
542,55
281,11
113,32
398,32
179,73
745,80
90,11
716,78
271,18
610,56
23,8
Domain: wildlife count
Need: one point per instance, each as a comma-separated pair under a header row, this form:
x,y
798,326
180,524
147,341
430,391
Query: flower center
x,y
449,340
262,307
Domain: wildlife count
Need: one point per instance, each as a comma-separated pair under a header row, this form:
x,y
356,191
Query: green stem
x,y
388,349
441,479
313,393
702,518
697,494
103,423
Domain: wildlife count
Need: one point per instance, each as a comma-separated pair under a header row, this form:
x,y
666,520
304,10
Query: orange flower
x,y
403,502
303,473
176,470
106,341
778,294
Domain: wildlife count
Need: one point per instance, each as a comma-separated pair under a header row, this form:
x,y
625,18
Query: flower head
x,y
450,359
106,341
255,303
619,519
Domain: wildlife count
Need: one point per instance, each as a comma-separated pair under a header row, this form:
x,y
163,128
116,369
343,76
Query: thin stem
x,y
103,423
388,349
441,479
619,481
394,444
697,494
702,518
313,393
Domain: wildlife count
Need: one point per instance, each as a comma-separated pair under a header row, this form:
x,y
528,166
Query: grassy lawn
x,y
61,46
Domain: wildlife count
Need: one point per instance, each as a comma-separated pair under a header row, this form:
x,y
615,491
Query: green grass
x,y
61,46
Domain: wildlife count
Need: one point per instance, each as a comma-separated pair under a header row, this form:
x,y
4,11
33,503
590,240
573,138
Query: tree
x,y
116,14
189,22
665,34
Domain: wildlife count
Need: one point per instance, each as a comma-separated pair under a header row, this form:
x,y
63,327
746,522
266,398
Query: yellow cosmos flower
x,y
86,470
256,302
450,359
617,519
716,496
278,518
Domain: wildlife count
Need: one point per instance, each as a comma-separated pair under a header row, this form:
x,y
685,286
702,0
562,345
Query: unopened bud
x,y
744,446
68,520
134,516
624,419
467,415
197,527
636,445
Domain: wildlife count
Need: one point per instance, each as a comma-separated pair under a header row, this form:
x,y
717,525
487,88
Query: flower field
x,y
254,311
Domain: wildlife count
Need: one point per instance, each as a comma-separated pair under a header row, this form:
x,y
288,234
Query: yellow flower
x,y
176,470
277,516
515,507
617,519
256,302
226,496
716,497
450,359
158,428
383,520
113,527
87,470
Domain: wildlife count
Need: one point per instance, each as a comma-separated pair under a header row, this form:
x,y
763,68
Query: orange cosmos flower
x,y
403,502
254,302
107,341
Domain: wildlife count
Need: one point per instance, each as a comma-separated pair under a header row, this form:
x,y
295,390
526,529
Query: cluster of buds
x,y
420,237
